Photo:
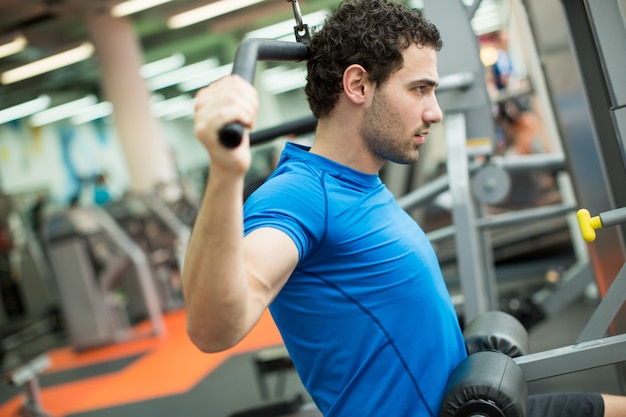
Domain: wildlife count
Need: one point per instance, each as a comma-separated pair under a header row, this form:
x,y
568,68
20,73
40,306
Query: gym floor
x,y
168,376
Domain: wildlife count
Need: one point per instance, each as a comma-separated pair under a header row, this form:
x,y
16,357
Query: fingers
x,y
230,99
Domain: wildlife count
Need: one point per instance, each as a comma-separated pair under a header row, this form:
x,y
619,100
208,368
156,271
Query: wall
x,y
57,158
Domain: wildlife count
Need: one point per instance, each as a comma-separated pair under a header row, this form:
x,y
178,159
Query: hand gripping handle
x,y
248,53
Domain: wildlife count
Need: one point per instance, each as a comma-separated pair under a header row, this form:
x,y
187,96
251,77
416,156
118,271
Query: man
x,y
351,280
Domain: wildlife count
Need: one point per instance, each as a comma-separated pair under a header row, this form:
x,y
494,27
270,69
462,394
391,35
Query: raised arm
x,y
228,281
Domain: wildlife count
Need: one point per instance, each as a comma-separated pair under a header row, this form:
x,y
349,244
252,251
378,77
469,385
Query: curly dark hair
x,y
371,33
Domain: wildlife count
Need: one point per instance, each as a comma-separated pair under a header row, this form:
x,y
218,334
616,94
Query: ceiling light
x,y
207,12
174,108
97,111
13,47
47,64
281,79
162,66
182,74
126,8
63,111
204,79
24,109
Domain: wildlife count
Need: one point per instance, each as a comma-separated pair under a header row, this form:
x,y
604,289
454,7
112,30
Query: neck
x,y
338,140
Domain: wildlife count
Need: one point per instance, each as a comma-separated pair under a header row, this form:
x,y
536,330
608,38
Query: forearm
x,y
215,285
214,282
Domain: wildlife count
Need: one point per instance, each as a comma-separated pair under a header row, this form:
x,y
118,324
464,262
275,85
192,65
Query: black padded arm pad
x,y
496,330
486,384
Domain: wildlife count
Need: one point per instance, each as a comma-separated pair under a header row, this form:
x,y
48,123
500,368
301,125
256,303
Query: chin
x,y
407,159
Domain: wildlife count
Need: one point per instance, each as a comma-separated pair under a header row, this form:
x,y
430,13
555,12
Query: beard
x,y
385,134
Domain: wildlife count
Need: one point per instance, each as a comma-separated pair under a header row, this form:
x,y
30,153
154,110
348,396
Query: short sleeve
x,y
293,203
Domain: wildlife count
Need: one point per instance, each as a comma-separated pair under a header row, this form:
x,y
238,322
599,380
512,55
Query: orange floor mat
x,y
170,365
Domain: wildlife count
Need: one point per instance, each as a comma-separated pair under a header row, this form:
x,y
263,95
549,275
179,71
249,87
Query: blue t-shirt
x,y
366,316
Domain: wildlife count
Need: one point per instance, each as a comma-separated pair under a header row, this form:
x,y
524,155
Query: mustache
x,y
423,128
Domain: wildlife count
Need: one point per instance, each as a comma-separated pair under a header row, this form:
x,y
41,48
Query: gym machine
x,y
584,39
27,375
29,310
491,381
25,275
481,180
30,320
162,236
181,199
104,278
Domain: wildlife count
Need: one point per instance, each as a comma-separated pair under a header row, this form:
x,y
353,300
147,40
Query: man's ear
x,y
355,83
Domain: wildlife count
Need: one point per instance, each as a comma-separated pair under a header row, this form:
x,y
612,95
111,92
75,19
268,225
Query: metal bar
x,y
613,217
296,127
424,193
607,18
607,310
578,357
427,192
519,163
297,14
478,284
457,81
442,233
521,216
248,53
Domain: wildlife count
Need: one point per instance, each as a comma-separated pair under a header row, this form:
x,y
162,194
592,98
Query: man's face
x,y
396,122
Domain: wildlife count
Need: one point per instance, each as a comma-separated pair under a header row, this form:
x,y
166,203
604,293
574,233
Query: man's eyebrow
x,y
427,81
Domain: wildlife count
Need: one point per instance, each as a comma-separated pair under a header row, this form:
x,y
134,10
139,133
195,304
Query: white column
x,y
142,139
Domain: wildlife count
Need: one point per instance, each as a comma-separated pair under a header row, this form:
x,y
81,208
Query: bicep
x,y
271,256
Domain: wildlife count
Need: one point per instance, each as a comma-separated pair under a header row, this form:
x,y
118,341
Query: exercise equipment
x,y
496,330
493,384
252,50
589,225
161,235
27,375
104,278
248,53
592,348
276,408
26,278
491,184
273,360
591,114
489,382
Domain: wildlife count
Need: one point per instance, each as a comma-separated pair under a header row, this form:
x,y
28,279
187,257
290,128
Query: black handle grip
x,y
248,53
231,134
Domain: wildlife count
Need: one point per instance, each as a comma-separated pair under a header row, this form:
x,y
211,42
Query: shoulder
x,y
293,188
292,200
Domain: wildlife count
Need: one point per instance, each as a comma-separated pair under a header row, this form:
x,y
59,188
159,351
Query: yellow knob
x,y
588,224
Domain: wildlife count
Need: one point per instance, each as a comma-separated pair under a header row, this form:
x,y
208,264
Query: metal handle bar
x,y
248,53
